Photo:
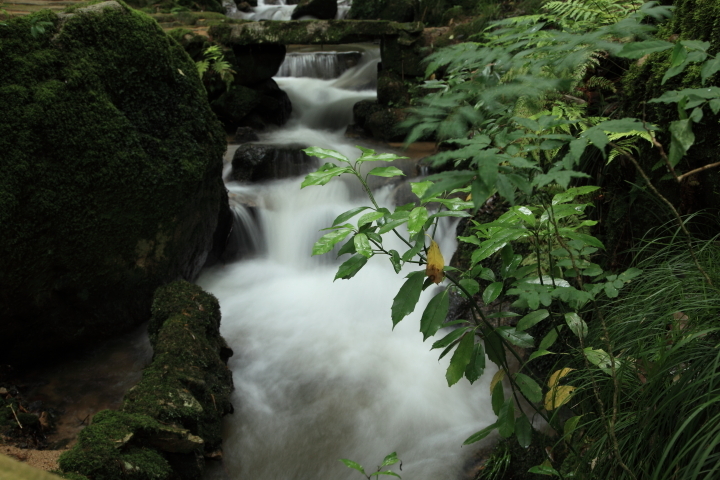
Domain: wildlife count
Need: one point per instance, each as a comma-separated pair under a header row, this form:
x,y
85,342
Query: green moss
x,y
106,451
110,174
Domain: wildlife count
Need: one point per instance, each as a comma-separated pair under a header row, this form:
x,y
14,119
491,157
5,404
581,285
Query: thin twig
x,y
680,178
15,415
678,218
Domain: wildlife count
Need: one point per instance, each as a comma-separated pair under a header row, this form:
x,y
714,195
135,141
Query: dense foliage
x,y
528,113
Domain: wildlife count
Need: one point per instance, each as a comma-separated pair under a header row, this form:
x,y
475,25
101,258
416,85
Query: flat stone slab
x,y
310,32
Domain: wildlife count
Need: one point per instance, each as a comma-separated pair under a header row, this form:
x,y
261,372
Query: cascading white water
x,y
276,10
319,373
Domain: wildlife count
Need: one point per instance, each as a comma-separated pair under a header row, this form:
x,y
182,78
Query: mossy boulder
x,y
110,175
395,10
322,9
170,421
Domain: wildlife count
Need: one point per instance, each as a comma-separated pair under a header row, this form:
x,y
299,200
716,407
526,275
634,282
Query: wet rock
x,y
321,9
245,135
256,163
256,63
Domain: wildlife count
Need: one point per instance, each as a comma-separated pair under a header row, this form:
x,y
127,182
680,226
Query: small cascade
x,y
324,65
275,10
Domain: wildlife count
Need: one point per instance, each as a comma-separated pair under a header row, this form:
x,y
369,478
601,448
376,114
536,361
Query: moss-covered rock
x,y
110,175
322,9
171,420
395,10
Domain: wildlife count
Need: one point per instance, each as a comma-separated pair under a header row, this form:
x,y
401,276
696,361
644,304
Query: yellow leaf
x,y
468,198
181,72
557,396
496,378
556,376
435,263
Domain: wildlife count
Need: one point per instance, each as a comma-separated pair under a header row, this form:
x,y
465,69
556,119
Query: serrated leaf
x,y
369,218
506,418
325,153
477,436
497,397
345,216
416,220
449,338
434,314
447,181
531,319
492,292
353,465
476,367
362,245
520,339
350,267
494,347
386,172
408,296
395,260
328,241
577,325
523,431
435,263
529,387
460,359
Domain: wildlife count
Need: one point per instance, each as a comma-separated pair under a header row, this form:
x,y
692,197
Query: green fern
x,y
590,14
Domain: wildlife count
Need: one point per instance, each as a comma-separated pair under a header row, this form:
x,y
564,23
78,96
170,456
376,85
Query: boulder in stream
x,y
110,175
257,163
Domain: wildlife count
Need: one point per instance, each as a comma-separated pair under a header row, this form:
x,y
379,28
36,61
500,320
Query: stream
x,y
319,372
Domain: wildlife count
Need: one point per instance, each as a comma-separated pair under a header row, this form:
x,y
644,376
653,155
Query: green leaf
x,y
392,224
677,62
419,244
362,245
449,338
419,188
416,220
531,319
349,247
715,105
520,339
494,347
610,290
476,367
549,339
523,431
477,436
497,398
369,218
386,172
408,296
506,418
381,157
328,241
492,292
570,426
539,353
682,138
344,217
324,153
529,387
470,285
391,459
460,359
447,181
577,325
353,465
351,266
395,260
321,177
629,274
640,49
434,314
544,470
450,213
587,239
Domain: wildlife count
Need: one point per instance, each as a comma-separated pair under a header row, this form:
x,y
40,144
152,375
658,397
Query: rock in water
x,y
110,175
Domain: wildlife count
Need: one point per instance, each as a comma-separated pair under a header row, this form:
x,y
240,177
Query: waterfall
x,y
275,10
319,372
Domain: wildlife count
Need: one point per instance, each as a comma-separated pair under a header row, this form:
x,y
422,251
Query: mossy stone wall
x,y
110,175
